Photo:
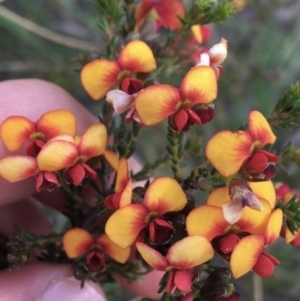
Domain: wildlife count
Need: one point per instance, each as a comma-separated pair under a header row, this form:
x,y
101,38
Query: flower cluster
x,y
161,225
53,153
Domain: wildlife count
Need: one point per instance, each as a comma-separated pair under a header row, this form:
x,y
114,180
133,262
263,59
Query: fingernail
x,y
69,289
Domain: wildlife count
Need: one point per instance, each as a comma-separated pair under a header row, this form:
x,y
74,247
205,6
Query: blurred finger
x,y
46,282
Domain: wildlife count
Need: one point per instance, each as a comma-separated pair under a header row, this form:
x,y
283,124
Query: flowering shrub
x,y
160,224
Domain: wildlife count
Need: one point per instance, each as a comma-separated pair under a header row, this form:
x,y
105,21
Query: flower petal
x,y
207,221
98,76
122,175
199,85
264,190
289,236
218,52
260,129
125,224
113,250
126,195
168,11
163,195
152,257
119,100
274,227
57,122
232,211
17,168
190,252
77,242
112,158
227,151
93,141
246,254
218,197
201,33
137,56
141,11
183,280
56,155
156,103
15,131
253,221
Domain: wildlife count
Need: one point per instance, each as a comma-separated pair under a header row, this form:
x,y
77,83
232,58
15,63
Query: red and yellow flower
x,y
180,261
100,75
163,195
54,156
17,130
255,229
242,151
248,253
123,188
164,13
213,222
78,242
158,102
91,144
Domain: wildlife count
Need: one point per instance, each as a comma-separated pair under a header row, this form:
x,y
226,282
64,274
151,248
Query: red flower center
x,y
95,261
160,230
259,165
227,243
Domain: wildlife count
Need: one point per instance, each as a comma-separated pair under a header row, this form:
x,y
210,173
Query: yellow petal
x,y
190,252
273,227
15,131
112,158
207,221
289,236
199,85
253,221
93,141
17,168
98,76
125,224
163,195
57,155
143,62
245,254
152,257
77,242
260,129
264,190
126,195
156,103
218,197
122,175
227,151
57,122
113,250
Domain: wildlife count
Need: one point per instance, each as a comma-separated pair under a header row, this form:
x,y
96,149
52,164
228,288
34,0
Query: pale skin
x,y
40,281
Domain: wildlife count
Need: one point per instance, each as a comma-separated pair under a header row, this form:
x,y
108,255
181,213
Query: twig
x,y
258,294
44,32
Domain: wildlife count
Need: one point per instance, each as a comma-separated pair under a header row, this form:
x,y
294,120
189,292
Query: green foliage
x,y
286,114
209,11
288,152
291,211
175,150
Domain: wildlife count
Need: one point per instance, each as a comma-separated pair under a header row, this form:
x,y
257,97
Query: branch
x,y
44,32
